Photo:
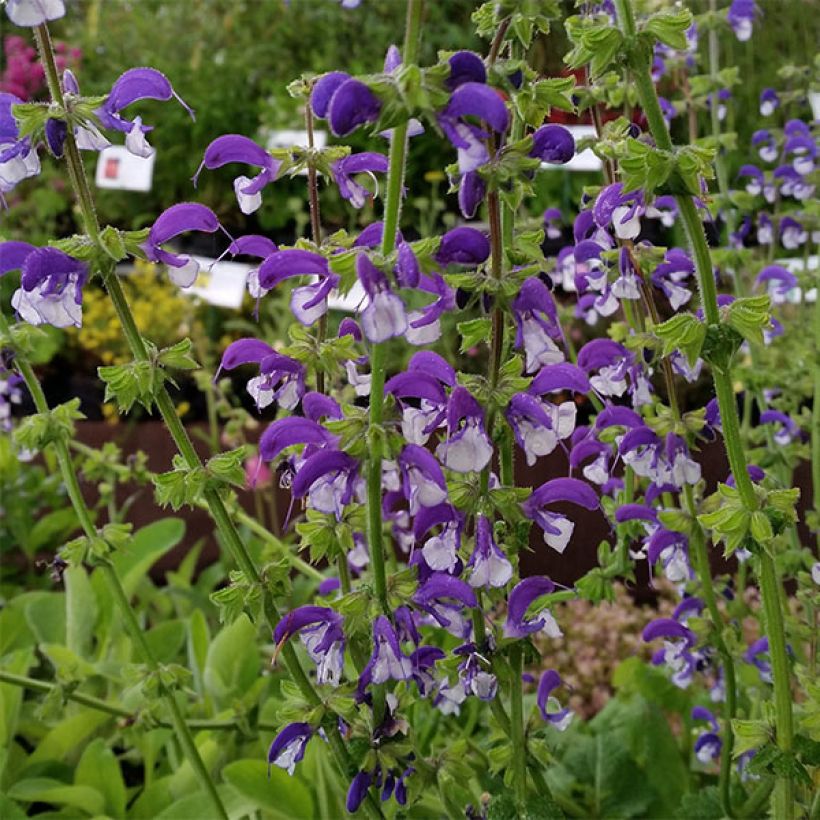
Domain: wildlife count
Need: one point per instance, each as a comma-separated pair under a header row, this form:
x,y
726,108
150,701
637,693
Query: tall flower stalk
x,y
392,214
769,583
170,416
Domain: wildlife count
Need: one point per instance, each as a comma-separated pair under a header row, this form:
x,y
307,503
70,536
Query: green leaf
x,y
749,734
47,790
684,332
702,804
80,610
749,316
45,615
670,27
473,332
178,356
280,793
166,639
642,166
64,739
146,547
233,662
229,466
112,242
9,810
98,768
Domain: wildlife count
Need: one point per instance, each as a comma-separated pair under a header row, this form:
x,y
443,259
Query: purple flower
x,y
741,16
792,233
136,84
611,360
323,91
236,148
537,425
440,552
444,598
18,159
253,245
281,378
664,208
467,447
553,144
708,744
489,565
471,193
320,630
778,281
551,680
384,315
425,391
523,594
474,677
598,471
754,655
769,102
755,175
465,67
352,104
672,550
31,13
422,479
621,210
463,246
178,219
344,169
537,326
552,223
51,284
357,792
558,528
387,662
329,479
670,275
291,431
678,640
787,431
804,150
766,145
289,746
308,302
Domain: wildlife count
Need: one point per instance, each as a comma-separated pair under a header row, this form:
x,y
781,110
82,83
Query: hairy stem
x,y
392,213
769,583
133,627
216,506
517,739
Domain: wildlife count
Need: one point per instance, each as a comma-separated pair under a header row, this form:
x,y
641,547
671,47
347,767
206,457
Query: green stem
x,y
72,485
213,500
815,415
517,740
258,529
392,213
729,418
114,710
181,729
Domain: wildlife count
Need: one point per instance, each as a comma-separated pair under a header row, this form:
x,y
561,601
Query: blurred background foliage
x,y
231,60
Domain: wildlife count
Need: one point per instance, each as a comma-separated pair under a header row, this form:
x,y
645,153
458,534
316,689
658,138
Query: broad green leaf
x,y
46,790
51,529
9,810
166,640
11,697
98,768
147,546
80,610
68,735
199,806
282,794
233,662
45,615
